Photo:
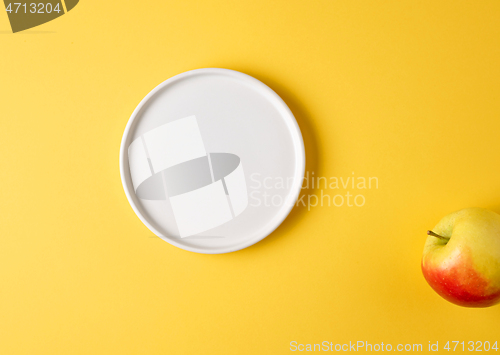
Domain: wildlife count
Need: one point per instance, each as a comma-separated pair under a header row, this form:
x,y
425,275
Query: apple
x,y
461,259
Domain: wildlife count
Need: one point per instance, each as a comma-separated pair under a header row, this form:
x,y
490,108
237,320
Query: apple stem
x,y
437,235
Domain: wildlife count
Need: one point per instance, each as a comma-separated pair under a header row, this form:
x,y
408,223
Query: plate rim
x,y
298,143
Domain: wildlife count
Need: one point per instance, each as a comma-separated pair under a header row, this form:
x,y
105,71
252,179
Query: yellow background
x,y
406,91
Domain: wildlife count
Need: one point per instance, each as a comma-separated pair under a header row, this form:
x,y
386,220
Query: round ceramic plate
x,y
212,160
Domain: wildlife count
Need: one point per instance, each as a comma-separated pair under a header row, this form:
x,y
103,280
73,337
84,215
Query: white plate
x,y
212,160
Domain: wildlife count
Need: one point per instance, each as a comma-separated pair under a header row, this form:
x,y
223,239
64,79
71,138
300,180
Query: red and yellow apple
x,y
461,259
